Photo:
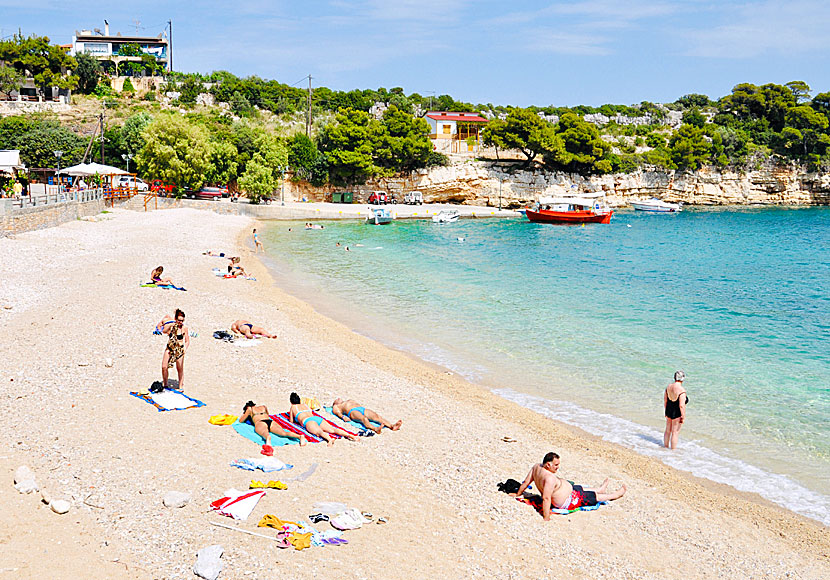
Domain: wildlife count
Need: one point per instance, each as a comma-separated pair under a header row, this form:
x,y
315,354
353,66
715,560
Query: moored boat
x,y
656,205
570,210
446,216
379,217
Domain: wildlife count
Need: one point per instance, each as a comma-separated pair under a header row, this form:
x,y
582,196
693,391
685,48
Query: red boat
x,y
570,210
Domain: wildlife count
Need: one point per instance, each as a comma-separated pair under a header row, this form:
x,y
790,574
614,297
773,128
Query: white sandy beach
x,y
70,299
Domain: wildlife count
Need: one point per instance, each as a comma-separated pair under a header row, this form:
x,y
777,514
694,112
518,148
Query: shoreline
x,y
435,478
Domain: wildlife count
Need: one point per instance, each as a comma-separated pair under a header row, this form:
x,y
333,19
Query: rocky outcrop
x,y
484,182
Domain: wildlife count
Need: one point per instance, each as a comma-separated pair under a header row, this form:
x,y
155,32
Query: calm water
x,y
588,324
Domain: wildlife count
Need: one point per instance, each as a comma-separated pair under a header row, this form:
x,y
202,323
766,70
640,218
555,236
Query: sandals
x,y
270,485
317,518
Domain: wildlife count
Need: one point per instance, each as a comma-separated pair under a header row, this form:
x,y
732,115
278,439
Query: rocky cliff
x,y
485,182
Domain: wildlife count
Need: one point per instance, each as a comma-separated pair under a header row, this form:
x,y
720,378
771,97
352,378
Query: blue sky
x,y
519,53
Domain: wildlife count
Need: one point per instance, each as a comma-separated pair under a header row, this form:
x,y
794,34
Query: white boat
x,y
656,205
446,216
379,217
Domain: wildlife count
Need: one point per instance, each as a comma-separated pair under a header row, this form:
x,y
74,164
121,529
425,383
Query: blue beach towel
x,y
350,423
148,399
248,432
165,286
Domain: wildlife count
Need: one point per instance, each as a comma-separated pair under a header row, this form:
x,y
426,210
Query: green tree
x,y
240,105
132,133
494,134
127,87
175,151
577,146
689,147
404,144
349,146
223,163
821,103
189,90
88,71
800,90
524,130
258,180
38,139
47,64
804,129
11,80
694,117
693,100
302,155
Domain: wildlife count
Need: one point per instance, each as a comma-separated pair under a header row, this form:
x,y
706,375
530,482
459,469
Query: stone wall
x,y
478,183
17,220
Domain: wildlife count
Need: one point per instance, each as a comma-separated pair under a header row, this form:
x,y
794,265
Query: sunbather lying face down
x,y
249,329
258,416
303,415
559,493
349,409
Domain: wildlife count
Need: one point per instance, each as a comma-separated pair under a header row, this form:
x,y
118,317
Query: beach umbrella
x,y
87,169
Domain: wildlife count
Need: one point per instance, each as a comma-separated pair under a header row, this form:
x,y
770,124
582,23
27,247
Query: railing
x,y
58,196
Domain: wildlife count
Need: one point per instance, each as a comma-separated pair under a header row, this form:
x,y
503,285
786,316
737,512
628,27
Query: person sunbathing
x,y
235,268
560,493
258,416
249,330
303,415
155,277
348,409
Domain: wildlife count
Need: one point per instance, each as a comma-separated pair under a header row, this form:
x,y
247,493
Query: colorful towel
x,y
165,286
266,464
536,502
169,400
353,424
285,419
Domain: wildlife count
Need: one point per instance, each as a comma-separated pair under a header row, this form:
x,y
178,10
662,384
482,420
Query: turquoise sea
x,y
588,324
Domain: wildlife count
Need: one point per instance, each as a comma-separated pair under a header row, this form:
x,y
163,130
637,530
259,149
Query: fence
x,y
57,195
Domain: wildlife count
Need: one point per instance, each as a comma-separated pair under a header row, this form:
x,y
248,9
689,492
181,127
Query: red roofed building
x,y
455,132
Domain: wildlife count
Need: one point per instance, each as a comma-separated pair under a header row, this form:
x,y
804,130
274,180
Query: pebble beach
x,y
78,338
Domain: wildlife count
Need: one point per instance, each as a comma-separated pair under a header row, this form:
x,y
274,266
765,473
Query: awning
x,y
86,169
10,160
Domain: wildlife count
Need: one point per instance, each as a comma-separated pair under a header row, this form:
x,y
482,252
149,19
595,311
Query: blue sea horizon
x,y
588,324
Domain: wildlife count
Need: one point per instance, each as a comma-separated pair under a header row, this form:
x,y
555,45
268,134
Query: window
x,y
447,129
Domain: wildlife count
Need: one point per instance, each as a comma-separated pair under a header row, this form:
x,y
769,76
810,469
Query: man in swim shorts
x,y
349,410
249,329
560,493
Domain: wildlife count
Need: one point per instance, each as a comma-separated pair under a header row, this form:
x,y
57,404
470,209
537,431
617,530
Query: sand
x,y
71,299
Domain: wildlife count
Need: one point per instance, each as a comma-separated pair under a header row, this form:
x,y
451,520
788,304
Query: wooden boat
x,y
583,209
656,206
379,217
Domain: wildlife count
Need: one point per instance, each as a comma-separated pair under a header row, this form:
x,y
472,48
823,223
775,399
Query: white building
x,y
455,132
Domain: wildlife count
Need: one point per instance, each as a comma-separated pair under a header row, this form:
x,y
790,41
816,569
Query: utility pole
x,y
101,121
308,121
170,46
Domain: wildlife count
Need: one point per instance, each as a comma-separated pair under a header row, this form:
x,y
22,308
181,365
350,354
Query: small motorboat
x,y
446,216
656,205
379,217
582,209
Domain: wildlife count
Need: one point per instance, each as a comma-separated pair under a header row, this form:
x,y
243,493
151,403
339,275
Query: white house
x,y
455,132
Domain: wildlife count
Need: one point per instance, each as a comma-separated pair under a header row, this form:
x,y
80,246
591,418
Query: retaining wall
x,y
16,220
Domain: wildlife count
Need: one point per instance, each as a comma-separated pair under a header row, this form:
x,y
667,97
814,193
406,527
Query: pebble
x,y
59,506
108,362
208,564
176,499
24,480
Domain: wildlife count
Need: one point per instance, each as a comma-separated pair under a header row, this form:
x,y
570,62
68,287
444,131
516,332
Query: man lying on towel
x,y
350,410
559,493
257,415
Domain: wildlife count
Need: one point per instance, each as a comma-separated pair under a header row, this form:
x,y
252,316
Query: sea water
x,y
587,324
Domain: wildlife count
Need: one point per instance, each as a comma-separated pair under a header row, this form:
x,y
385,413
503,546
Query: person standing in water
x,y
257,244
674,403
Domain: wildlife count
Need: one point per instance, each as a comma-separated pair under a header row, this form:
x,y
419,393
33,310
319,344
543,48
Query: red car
x,y
158,187
378,197
215,193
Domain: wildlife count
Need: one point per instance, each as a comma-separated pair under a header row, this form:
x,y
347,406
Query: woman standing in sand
x,y
177,346
674,403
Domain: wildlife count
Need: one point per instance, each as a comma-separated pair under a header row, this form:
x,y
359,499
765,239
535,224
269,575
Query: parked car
x,y
130,182
378,197
215,193
413,198
160,188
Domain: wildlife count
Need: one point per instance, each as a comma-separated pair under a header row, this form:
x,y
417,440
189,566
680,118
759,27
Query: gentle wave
x,y
691,457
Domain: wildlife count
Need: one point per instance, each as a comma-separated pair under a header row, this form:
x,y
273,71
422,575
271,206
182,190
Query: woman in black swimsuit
x,y
674,402
257,415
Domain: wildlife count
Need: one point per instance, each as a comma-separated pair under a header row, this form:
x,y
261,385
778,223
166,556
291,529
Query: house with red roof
x,y
455,132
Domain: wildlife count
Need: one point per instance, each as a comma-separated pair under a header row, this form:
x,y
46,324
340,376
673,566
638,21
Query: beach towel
x,y
165,286
247,342
536,502
247,431
237,504
351,424
266,464
168,400
286,423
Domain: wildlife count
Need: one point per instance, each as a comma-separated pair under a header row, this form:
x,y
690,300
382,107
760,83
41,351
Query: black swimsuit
x,y
673,407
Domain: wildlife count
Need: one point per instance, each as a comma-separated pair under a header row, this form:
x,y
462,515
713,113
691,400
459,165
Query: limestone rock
x,y
208,564
176,499
59,506
108,362
24,480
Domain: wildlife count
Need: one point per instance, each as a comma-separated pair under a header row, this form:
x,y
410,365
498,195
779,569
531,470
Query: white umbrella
x,y
87,169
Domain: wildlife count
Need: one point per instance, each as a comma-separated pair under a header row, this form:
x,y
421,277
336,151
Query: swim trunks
x,y
581,497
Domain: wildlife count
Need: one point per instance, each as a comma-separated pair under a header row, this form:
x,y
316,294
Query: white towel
x,y
172,400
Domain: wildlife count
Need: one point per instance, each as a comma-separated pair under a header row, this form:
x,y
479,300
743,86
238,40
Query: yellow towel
x,y
300,541
272,521
312,403
222,419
